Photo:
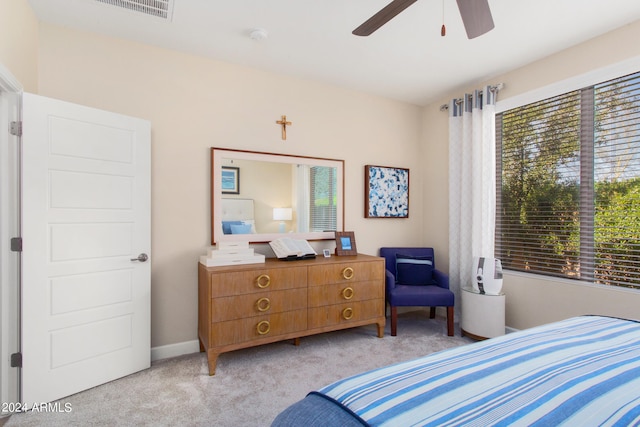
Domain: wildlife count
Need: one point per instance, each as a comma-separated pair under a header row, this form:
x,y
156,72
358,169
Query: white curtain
x,y
472,188
302,197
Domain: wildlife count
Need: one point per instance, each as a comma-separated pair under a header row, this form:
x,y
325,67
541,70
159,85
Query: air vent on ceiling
x,y
158,8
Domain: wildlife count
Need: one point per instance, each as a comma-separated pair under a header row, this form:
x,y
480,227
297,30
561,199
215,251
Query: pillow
x,y
226,226
250,222
414,270
240,228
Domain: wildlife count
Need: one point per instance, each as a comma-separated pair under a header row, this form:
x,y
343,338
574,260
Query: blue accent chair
x,y
413,281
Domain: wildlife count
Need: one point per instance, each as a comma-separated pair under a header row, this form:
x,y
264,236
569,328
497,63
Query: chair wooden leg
x,y
450,321
394,321
432,313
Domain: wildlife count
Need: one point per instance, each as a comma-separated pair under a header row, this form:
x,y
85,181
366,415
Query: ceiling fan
x,y
476,17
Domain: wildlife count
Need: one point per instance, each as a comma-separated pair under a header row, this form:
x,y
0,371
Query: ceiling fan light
x,y
476,17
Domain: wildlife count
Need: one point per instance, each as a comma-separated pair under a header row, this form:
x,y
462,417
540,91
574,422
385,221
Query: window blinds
x,y
322,203
568,185
617,181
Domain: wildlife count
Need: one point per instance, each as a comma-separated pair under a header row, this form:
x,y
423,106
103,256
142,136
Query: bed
x,y
582,371
237,216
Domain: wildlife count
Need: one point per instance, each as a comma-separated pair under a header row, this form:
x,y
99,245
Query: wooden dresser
x,y
247,305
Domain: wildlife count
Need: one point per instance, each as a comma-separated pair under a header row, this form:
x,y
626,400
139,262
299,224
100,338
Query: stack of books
x,y
231,253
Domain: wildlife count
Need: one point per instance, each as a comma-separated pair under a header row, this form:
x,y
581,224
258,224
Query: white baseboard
x,y
188,347
173,350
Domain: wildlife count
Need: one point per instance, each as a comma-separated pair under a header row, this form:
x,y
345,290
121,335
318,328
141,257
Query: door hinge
x,y
16,360
16,128
16,244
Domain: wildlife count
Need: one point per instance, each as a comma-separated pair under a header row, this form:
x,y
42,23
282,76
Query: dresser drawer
x,y
244,282
345,313
243,330
257,304
242,306
345,272
344,292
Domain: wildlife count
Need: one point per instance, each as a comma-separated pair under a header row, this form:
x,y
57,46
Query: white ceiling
x,y
406,59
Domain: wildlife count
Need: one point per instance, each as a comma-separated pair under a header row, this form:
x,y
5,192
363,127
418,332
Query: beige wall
x,y
195,103
19,42
533,300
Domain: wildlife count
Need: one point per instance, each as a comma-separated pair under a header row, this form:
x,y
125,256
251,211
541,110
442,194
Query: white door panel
x,y
86,215
70,242
81,190
86,291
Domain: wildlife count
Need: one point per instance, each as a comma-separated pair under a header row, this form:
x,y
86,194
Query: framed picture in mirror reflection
x,y
230,180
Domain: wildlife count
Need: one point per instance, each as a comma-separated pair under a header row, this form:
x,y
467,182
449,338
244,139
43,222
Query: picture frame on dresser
x,y
346,243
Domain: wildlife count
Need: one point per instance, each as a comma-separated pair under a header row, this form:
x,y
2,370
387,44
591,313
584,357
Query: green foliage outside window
x,y
569,185
323,203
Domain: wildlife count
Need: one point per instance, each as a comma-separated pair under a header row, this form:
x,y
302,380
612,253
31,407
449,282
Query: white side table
x,y
482,315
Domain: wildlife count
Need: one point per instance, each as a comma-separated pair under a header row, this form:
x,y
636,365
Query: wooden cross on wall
x,y
284,123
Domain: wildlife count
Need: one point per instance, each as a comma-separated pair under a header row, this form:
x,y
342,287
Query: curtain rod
x,y
493,88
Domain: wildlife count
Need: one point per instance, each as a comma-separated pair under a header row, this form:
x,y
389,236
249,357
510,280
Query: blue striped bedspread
x,y
583,371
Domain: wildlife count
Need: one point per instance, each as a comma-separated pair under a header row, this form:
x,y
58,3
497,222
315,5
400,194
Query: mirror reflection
x,y
261,196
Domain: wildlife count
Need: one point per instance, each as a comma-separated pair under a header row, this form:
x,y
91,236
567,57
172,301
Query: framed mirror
x,y
259,197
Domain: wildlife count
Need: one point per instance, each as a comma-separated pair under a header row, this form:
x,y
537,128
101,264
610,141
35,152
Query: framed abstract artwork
x,y
230,180
386,192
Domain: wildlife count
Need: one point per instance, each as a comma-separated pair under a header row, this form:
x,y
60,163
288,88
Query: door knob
x,y
142,258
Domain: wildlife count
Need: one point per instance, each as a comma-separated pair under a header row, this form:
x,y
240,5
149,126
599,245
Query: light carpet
x,y
250,386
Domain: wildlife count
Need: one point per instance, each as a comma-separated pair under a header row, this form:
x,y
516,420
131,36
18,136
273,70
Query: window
x,y
568,185
323,198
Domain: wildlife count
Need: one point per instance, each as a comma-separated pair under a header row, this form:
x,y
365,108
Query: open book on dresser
x,y
287,249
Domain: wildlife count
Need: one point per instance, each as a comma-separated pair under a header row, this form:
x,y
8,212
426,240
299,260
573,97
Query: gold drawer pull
x,y
263,281
347,313
347,273
263,304
347,293
263,327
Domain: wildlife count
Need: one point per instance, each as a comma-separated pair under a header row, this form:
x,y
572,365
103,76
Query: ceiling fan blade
x,y
476,16
382,17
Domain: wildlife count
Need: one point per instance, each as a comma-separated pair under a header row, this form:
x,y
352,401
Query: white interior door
x,y
85,220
